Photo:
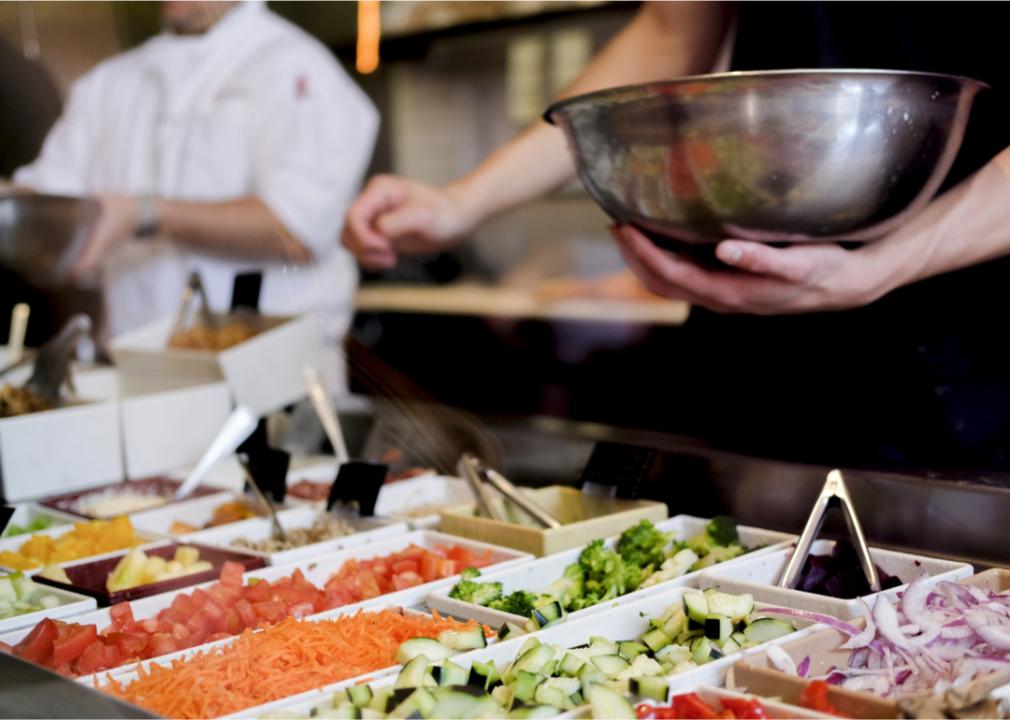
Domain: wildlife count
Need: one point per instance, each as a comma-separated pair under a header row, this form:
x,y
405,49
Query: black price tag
x,y
358,482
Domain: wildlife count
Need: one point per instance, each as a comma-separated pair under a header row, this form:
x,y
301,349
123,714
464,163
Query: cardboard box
x,y
583,518
265,372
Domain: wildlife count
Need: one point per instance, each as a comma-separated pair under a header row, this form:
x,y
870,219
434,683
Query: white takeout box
x,y
57,451
537,575
760,576
265,373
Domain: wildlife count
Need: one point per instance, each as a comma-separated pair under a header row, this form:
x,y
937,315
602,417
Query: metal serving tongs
x,y
194,290
833,494
236,429
52,362
477,474
263,499
16,355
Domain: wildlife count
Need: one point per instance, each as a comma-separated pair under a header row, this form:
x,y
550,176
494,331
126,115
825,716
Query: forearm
x,y
244,227
967,225
663,41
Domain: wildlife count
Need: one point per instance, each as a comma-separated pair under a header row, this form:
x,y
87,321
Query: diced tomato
x,y
406,580
301,610
744,709
37,646
130,644
121,614
162,644
212,610
402,566
200,597
411,551
231,574
93,659
299,581
233,624
815,697
4,647
644,711
69,648
257,592
272,611
246,612
149,625
689,705
218,636
225,595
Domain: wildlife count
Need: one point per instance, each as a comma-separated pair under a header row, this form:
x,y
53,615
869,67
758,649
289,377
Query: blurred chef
x,y
231,142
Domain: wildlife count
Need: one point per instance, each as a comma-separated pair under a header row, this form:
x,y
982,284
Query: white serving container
x,y
759,576
16,541
168,429
625,621
317,572
264,373
256,529
58,451
70,604
398,499
196,511
25,513
538,574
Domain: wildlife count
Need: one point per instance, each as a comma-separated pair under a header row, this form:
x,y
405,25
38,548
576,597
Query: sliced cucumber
x,y
654,688
608,704
765,629
463,640
730,646
589,674
534,712
431,649
484,675
718,628
602,646
411,676
610,665
673,655
630,649
525,686
696,606
704,650
450,674
570,665
655,640
676,623
509,630
360,695
735,607
549,613
547,695
534,660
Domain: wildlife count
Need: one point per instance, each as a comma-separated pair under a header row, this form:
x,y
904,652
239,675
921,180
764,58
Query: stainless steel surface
x,y
517,496
799,155
469,469
52,363
239,426
323,405
42,235
834,494
265,501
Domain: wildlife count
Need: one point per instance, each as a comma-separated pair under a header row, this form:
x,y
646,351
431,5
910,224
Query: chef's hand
x,y
395,215
117,222
759,279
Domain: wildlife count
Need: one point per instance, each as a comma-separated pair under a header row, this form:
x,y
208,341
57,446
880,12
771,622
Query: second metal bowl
x,y
791,156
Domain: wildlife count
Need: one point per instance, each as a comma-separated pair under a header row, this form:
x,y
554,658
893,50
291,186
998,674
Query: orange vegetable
x,y
85,539
277,662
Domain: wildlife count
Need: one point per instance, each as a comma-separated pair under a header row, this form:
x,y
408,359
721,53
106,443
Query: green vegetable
x,y
605,575
569,587
643,545
521,602
722,530
39,523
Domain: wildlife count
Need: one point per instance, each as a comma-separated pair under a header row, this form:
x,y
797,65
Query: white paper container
x,y
24,513
70,604
625,621
538,574
164,430
317,572
760,575
16,541
265,372
58,451
261,529
197,511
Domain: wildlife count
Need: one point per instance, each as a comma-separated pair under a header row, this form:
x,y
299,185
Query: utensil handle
x,y
16,338
266,502
239,426
323,406
469,468
516,495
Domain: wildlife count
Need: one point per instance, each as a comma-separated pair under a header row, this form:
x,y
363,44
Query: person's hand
x,y
117,220
395,215
758,278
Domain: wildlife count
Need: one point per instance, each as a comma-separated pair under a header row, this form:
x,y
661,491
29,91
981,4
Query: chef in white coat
x,y
231,142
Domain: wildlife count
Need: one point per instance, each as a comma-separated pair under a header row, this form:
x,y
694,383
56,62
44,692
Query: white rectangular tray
x,y
538,574
299,517
14,542
196,511
70,604
759,576
24,513
625,621
317,571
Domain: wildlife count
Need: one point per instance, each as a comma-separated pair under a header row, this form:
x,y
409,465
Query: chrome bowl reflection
x,y
776,156
42,235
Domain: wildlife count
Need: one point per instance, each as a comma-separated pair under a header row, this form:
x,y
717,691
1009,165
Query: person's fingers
x,y
405,224
653,282
378,260
382,194
794,264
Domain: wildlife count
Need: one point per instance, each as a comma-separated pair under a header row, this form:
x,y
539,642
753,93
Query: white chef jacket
x,y
255,106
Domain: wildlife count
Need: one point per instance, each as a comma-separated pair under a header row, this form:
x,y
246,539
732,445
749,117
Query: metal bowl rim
x,y
744,74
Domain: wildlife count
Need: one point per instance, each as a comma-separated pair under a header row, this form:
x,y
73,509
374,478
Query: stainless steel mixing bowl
x,y
793,156
42,235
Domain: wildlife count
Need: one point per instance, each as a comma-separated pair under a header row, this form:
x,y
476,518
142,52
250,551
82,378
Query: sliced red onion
x,y
859,657
996,637
835,678
913,602
902,676
812,617
803,669
781,660
887,622
863,637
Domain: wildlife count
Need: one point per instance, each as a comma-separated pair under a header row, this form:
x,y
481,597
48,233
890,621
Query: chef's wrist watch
x,y
147,217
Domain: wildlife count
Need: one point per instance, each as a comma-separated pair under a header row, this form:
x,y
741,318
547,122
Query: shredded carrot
x,y
285,659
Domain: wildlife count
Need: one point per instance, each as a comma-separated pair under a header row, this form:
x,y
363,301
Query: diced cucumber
x,y
7,589
655,640
431,649
381,699
533,712
503,696
653,688
528,644
704,650
718,628
610,665
608,704
525,686
673,655
547,695
343,712
735,607
509,630
571,664
630,649
359,695
398,697
410,676
730,646
675,624
463,640
695,606
455,703
49,601
602,646
418,702
547,614
589,674
484,675
450,674
765,629
739,638
535,660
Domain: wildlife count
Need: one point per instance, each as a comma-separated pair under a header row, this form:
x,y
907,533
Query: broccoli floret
x,y
521,602
471,573
722,530
477,593
643,545
569,587
603,570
